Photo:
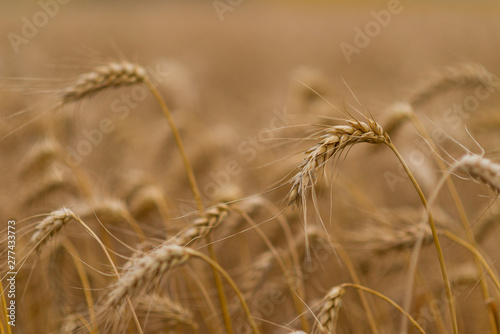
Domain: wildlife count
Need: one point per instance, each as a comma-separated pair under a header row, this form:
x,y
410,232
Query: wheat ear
x,y
202,226
481,169
333,141
462,75
50,226
110,75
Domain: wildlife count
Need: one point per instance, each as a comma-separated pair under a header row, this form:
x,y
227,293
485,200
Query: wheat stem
x,y
442,264
387,299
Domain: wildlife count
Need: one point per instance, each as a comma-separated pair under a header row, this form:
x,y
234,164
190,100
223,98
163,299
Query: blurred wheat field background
x,y
195,168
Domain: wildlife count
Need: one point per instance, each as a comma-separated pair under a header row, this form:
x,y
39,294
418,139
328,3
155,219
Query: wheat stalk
x,y
334,140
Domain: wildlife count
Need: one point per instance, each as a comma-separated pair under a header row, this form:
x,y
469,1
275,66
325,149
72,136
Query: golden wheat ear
x,y
110,75
50,226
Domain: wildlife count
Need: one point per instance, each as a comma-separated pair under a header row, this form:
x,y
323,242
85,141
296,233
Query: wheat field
x,y
249,167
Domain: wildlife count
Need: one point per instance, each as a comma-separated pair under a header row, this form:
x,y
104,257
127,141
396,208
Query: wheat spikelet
x,y
462,75
329,311
481,169
145,270
52,224
110,75
200,228
330,143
